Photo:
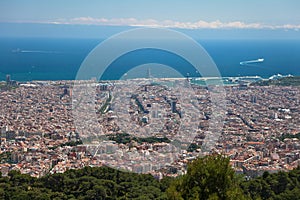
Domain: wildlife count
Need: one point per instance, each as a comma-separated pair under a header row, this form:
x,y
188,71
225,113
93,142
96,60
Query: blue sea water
x,y
59,59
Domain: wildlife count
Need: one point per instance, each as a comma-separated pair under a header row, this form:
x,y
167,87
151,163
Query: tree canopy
x,y
210,177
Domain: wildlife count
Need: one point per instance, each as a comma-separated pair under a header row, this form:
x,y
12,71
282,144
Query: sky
x,y
187,14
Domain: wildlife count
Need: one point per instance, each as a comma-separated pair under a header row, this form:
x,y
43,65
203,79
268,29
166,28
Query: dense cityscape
x,y
260,131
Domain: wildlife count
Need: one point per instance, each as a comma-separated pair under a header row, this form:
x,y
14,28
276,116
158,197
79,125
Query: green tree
x,y
2,194
210,177
281,185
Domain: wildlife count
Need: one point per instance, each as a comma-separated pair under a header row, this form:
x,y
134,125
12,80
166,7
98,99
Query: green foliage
x,y
72,143
86,183
5,157
282,185
284,136
193,147
210,177
125,138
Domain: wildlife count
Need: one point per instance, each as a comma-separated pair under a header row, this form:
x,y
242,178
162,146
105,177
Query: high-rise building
x,y
104,87
65,91
253,99
188,80
8,79
70,92
173,106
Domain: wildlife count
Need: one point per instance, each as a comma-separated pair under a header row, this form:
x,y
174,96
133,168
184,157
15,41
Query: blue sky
x,y
190,14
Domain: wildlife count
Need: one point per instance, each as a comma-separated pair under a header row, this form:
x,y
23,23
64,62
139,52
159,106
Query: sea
x,y
26,59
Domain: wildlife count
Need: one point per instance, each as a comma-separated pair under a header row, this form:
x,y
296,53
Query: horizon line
x,y
151,23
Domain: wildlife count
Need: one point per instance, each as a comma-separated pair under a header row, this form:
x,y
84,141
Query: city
x,y
260,131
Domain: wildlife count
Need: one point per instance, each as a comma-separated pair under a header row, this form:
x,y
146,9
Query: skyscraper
x,y
173,106
8,79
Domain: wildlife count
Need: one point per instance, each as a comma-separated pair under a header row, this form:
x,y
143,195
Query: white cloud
x,y
172,24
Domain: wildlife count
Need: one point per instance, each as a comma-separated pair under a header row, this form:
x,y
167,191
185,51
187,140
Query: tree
x,y
2,193
281,185
210,177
